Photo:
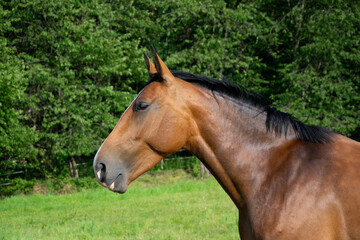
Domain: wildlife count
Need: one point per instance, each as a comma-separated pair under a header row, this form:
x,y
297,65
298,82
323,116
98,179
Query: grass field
x,y
171,205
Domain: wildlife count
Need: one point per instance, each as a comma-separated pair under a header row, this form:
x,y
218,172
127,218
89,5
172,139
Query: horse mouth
x,y
118,185
115,180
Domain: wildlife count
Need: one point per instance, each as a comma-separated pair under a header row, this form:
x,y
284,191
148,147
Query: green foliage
x,y
68,68
16,137
19,186
209,38
79,75
52,185
190,164
323,78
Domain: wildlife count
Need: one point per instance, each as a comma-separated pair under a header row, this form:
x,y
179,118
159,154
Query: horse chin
x,y
118,187
120,190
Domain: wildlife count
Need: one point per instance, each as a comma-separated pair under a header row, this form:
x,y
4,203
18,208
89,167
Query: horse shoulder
x,y
312,192
347,186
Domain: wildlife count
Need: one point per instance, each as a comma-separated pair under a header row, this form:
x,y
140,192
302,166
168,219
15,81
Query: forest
x,y
69,68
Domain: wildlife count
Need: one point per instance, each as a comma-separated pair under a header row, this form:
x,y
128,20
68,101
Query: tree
x,y
320,73
68,68
17,139
80,74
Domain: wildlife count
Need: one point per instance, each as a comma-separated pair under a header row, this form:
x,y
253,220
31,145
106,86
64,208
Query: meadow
x,y
169,205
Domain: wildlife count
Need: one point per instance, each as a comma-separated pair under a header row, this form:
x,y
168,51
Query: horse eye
x,y
141,105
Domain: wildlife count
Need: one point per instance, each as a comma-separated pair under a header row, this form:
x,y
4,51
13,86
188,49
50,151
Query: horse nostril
x,y
101,172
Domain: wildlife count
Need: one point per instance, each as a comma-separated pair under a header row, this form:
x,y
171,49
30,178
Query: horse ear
x,y
150,66
161,68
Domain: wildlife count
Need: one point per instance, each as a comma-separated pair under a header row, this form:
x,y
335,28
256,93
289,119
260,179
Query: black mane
x,y
276,121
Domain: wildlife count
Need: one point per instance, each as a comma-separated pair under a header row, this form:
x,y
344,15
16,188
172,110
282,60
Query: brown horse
x,y
288,180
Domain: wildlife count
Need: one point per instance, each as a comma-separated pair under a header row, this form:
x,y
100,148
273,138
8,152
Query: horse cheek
x,y
170,137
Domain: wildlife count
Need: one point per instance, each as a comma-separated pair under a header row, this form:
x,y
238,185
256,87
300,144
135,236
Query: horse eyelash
x,y
138,107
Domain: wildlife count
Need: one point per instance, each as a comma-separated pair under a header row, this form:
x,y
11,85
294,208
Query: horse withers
x,y
288,180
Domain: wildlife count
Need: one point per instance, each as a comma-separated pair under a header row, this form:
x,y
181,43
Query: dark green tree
x,y
68,68
17,139
319,69
80,73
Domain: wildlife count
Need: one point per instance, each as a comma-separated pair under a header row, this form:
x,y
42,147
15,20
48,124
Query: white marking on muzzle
x,y
98,174
112,186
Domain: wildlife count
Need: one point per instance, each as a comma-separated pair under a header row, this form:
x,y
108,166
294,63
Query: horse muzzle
x,y
113,178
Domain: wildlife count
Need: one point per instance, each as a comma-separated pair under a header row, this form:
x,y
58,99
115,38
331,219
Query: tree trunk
x,y
73,168
204,170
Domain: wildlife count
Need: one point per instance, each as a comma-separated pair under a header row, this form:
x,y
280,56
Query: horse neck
x,y
232,141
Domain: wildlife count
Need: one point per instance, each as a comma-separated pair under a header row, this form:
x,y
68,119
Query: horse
x,y
288,180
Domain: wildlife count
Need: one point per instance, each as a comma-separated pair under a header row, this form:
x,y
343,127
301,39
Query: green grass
x,y
165,206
